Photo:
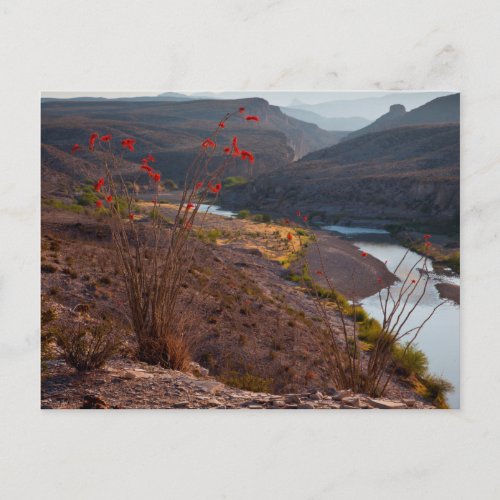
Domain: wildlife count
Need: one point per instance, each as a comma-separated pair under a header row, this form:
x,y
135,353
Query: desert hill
x,y
173,131
441,110
404,173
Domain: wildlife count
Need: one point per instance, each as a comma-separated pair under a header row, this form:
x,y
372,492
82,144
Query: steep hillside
x,y
173,131
441,110
404,173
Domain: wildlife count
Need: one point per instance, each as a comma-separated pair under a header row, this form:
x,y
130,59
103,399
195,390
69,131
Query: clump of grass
x,y
209,235
247,382
435,389
266,218
369,330
243,214
232,181
410,360
356,312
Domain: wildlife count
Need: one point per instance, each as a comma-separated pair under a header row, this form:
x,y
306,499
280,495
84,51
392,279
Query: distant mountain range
x,y
338,123
441,110
369,108
173,132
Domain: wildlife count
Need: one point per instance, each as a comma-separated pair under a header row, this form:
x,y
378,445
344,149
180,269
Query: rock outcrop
x,y
128,384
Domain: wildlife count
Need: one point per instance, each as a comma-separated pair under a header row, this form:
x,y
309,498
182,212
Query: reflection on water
x,y
440,336
214,209
354,230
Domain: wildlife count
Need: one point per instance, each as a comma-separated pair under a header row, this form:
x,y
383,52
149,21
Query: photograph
x,y
250,250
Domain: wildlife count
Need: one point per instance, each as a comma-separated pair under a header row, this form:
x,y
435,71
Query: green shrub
x,y
243,214
356,312
262,218
436,389
170,184
209,235
247,382
234,181
369,330
413,361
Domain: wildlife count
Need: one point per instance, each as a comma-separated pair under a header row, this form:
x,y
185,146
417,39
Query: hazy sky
x,y
278,98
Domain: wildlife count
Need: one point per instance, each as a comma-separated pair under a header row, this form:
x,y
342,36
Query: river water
x,y
440,336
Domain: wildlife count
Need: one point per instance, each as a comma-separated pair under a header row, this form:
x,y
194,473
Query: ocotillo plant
x,y
351,367
154,257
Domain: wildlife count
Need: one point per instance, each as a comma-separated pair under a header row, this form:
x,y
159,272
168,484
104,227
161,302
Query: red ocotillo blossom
x,y
214,189
252,118
304,218
98,203
319,273
236,150
413,281
75,148
427,236
156,177
297,213
150,158
246,155
146,168
189,206
106,138
199,185
222,125
289,236
241,110
208,143
227,150
363,254
109,199
379,280
129,144
131,216
99,184
93,137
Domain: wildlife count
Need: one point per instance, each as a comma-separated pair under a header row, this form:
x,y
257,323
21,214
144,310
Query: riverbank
x,y
355,276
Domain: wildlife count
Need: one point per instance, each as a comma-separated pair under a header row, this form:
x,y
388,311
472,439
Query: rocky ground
x,y
246,318
129,384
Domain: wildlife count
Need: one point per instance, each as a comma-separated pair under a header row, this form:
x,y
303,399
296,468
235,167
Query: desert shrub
x,y
47,316
87,197
169,183
87,347
369,330
48,268
243,214
72,274
410,360
436,389
178,353
262,218
209,235
234,181
247,382
356,312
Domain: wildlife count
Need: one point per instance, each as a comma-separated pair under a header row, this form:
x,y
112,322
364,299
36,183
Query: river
x,y
440,336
